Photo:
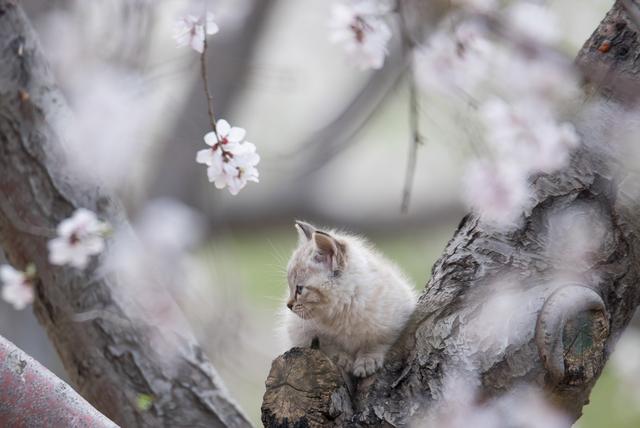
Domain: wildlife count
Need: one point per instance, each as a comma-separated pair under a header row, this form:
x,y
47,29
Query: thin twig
x,y
205,79
414,112
416,140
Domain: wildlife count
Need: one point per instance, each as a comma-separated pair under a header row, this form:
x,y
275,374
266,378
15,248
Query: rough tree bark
x,y
571,315
30,395
109,356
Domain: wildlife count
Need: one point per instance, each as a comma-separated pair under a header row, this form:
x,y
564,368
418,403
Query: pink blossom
x,y
190,31
230,161
17,287
361,29
498,192
79,237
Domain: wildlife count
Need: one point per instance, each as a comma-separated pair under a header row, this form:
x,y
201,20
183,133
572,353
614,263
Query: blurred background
x,y
333,142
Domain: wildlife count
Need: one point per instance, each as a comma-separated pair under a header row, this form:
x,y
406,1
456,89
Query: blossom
x,y
229,138
236,172
361,29
190,31
528,133
17,287
455,62
79,238
498,192
231,162
167,226
552,80
533,21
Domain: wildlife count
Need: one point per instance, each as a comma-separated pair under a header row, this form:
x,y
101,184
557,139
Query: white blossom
x,y
361,29
231,161
497,192
237,171
518,93
79,237
533,21
116,101
17,287
528,133
547,79
190,31
169,227
228,138
454,62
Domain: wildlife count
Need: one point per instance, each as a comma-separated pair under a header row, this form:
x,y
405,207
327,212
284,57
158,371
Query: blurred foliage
x,y
611,405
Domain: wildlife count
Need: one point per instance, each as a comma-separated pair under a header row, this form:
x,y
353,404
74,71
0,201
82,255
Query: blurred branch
x,y
31,395
111,360
339,134
414,109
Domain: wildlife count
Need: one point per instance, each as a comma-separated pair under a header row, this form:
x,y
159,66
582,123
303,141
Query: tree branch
x,y
110,358
31,395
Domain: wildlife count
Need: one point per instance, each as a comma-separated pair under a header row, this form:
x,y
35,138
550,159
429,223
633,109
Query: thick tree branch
x,y
110,357
569,315
31,395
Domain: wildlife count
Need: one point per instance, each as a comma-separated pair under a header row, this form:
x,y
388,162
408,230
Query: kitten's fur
x,y
347,295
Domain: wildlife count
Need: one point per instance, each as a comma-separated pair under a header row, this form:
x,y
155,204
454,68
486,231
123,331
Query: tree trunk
x,y
109,356
567,315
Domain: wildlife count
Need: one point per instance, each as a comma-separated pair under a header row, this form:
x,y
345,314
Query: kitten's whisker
x,y
278,255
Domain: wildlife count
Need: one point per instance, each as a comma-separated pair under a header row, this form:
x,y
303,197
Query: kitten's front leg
x,y
369,361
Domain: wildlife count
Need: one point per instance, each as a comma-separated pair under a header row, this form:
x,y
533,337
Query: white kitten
x,y
347,295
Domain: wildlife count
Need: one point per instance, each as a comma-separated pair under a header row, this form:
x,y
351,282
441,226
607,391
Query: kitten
x,y
347,295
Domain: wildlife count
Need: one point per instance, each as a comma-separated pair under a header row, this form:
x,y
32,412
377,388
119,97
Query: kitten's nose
x,y
290,305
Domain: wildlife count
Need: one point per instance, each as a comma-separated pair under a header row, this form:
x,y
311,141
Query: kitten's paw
x,y
368,364
344,361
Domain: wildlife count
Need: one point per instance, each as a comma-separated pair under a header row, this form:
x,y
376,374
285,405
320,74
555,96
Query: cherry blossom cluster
x,y
80,237
231,161
360,27
520,85
17,286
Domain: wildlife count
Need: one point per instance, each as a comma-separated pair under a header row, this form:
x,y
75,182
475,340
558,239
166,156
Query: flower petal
x,y
223,128
205,156
210,138
8,274
236,135
58,251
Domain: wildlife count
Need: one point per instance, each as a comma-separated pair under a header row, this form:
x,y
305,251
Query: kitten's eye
x,y
299,289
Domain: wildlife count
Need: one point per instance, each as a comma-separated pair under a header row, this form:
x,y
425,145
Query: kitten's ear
x,y
305,231
330,251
